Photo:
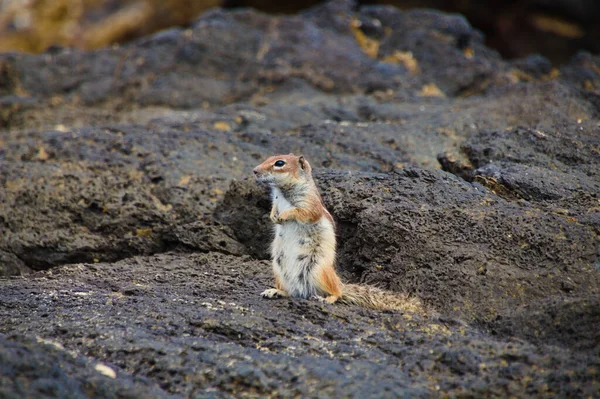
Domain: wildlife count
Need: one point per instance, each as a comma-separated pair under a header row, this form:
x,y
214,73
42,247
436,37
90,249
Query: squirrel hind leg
x,y
274,293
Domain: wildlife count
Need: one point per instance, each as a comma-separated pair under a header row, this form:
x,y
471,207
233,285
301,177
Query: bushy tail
x,y
375,298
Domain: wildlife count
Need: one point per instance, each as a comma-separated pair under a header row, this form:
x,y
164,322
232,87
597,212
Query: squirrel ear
x,y
302,162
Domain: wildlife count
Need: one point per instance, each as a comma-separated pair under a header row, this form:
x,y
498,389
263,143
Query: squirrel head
x,y
283,170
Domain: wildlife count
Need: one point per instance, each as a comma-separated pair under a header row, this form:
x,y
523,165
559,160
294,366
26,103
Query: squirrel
x,y
304,248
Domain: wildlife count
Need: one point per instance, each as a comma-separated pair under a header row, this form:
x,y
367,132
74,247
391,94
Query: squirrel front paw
x,y
285,216
274,216
273,293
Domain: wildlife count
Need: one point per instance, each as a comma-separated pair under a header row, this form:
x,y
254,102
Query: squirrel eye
x,y
279,163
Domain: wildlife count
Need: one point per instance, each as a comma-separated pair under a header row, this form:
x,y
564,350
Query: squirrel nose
x,y
256,172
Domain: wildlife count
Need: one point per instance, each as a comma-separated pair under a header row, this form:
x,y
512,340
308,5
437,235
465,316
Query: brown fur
x,y
330,283
304,215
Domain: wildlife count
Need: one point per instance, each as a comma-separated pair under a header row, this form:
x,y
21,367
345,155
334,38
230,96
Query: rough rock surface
x,y
196,326
131,236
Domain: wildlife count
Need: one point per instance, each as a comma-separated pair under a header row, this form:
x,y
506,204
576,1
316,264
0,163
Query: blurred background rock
x,y
35,25
556,29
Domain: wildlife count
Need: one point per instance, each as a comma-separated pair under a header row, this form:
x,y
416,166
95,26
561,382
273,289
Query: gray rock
x,y
131,236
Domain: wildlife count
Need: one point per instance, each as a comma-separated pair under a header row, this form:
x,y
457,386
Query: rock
x,y
204,237
125,189
39,368
205,330
569,322
10,265
534,65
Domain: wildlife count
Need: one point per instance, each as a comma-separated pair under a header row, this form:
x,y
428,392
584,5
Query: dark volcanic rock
x,y
196,326
553,168
104,193
570,322
236,55
11,265
39,368
123,178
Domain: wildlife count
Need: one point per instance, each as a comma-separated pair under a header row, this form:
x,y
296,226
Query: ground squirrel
x,y
304,246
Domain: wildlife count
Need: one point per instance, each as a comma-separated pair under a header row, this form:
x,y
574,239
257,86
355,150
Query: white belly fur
x,y
299,252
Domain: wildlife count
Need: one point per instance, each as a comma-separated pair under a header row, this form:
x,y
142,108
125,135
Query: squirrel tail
x,y
375,298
